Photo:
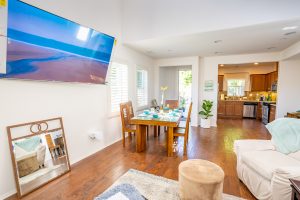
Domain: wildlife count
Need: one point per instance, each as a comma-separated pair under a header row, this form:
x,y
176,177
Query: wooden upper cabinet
x,y
258,82
268,82
220,81
271,78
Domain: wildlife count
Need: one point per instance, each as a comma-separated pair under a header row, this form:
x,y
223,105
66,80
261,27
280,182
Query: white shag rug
x,y
155,187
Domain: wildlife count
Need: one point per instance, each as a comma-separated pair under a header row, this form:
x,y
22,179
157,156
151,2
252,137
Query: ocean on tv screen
x,y
44,46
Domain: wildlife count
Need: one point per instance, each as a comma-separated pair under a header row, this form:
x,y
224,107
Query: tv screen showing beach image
x,y
44,46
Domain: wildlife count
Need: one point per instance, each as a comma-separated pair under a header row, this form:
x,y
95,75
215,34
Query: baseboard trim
x,y
8,195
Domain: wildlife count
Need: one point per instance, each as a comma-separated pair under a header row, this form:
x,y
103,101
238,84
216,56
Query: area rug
x,y
148,186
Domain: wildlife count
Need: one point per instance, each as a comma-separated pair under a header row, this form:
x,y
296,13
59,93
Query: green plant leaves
x,y
206,109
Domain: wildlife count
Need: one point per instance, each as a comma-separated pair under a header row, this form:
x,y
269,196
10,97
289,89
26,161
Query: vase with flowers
x,y
163,89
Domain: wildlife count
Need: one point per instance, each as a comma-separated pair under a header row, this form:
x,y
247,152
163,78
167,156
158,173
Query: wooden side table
x,y
295,189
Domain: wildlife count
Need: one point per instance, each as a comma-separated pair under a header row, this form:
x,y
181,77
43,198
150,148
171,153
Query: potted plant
x,y
205,113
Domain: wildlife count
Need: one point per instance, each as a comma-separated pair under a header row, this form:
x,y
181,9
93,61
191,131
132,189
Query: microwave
x,y
274,87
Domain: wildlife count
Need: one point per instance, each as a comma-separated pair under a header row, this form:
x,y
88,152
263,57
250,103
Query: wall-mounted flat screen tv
x,y
44,46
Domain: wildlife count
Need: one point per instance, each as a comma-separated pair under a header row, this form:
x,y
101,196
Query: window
x,y
236,87
142,88
118,85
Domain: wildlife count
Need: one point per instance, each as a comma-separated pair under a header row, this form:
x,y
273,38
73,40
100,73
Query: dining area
x,y
167,119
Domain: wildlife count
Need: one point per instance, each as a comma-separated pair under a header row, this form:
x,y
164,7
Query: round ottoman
x,y
200,179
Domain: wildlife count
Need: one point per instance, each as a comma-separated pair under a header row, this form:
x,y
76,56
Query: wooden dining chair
x,y
173,104
54,149
126,112
184,131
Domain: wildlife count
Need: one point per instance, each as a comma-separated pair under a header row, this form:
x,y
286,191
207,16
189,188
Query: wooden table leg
x,y
170,141
140,138
155,131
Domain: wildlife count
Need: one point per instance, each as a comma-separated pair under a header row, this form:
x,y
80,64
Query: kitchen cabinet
x,y
258,82
271,78
230,109
221,108
268,82
272,112
259,111
238,109
220,82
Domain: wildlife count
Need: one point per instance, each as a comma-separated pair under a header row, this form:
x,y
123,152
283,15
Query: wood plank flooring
x,y
96,173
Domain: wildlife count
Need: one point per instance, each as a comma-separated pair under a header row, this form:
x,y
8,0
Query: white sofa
x,y
265,171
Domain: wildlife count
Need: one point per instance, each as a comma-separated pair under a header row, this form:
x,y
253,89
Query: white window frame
x,y
123,83
144,90
241,87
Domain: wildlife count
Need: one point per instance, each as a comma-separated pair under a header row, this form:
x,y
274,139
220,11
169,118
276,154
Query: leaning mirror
x,y
39,153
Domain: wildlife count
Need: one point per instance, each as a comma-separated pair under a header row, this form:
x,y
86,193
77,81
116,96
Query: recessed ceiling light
x,y
217,41
283,38
256,63
218,52
169,50
290,33
269,48
289,28
222,65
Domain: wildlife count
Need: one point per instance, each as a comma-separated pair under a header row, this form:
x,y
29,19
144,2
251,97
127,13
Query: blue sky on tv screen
x,y
38,27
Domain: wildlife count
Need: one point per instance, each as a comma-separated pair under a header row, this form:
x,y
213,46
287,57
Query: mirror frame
x,y
33,133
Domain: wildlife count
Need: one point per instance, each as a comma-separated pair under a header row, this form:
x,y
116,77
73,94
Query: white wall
x,y
84,107
156,19
288,97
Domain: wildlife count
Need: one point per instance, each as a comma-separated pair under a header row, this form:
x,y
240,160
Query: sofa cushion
x,y
285,134
266,162
241,146
295,155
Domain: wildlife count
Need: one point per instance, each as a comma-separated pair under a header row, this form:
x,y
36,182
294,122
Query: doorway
x,y
248,91
185,88
178,80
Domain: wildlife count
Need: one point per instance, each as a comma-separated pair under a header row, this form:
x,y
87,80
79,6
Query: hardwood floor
x,y
96,173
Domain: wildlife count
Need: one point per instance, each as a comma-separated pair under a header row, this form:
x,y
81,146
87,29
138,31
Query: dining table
x,y
169,119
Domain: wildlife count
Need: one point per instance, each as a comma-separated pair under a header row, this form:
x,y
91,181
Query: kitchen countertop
x,y
271,102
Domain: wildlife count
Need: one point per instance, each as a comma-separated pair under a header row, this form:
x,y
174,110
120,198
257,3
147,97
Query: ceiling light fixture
x,y
218,52
217,41
222,65
269,48
256,63
290,33
289,28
